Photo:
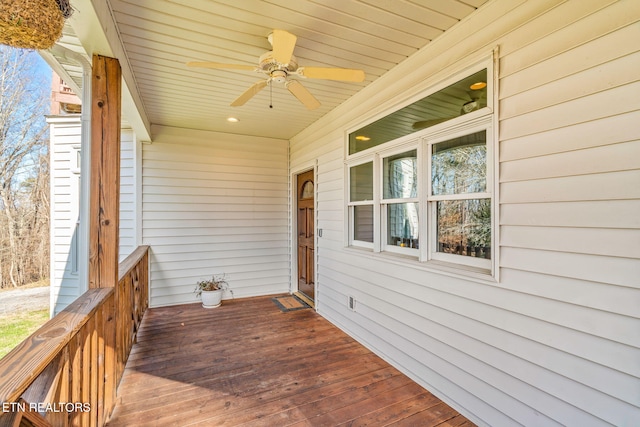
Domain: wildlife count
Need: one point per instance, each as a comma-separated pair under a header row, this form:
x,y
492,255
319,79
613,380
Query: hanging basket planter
x,y
32,24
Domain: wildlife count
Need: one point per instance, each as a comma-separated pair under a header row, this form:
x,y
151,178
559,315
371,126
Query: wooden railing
x,y
67,372
132,301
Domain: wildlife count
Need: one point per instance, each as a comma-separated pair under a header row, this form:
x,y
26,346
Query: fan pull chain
x,y
270,96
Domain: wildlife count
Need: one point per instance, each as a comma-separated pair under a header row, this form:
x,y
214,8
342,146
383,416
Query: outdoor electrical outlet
x,y
352,303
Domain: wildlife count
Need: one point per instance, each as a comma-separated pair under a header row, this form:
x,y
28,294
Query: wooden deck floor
x,y
249,363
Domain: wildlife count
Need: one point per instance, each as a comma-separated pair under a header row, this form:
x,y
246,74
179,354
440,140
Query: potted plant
x,y
211,290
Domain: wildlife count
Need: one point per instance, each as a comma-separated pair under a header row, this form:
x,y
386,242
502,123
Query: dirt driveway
x,y
24,300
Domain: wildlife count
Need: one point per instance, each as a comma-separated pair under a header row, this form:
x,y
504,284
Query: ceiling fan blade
x,y
249,93
219,65
283,44
303,95
342,74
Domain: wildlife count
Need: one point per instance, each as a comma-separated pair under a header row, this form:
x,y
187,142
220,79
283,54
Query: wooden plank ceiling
x,y
160,36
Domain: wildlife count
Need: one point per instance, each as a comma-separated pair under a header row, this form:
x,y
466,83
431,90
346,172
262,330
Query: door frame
x,y
293,287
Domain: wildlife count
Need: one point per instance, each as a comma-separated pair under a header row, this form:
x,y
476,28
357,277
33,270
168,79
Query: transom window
x,y
460,98
428,194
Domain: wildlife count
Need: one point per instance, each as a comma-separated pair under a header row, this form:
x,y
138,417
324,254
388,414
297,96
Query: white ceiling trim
x,y
88,19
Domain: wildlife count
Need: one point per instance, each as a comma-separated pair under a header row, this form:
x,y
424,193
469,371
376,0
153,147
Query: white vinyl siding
x,y
128,193
556,340
65,132
215,203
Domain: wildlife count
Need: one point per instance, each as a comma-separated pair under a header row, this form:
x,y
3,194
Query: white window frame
x,y
74,160
423,141
384,203
478,125
352,204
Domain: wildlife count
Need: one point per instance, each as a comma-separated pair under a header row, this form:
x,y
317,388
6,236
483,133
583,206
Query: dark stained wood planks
x,y
248,363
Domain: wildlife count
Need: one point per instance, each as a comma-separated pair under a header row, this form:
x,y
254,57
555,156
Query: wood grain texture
x,y
248,363
42,346
79,355
104,205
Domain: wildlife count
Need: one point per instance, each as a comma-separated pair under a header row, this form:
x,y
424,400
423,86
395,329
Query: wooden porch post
x,y
104,213
104,205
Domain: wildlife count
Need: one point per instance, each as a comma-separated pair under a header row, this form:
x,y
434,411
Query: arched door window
x,y
307,190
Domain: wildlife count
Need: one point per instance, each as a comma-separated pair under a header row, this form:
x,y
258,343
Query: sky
x,y
41,73
43,68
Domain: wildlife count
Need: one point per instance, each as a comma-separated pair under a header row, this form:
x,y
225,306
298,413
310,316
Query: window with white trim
x,y
361,204
399,202
459,198
428,193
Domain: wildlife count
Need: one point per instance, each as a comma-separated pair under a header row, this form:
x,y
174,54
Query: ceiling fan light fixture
x,y
233,119
279,76
362,138
478,86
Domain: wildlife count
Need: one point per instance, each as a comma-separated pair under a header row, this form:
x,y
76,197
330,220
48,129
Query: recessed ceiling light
x,y
232,119
362,138
478,86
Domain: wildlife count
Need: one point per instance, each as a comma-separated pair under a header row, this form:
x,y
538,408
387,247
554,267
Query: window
x,y
460,98
307,190
400,201
428,193
460,204
361,203
75,159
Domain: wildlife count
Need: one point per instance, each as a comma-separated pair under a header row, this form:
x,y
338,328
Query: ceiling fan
x,y
279,65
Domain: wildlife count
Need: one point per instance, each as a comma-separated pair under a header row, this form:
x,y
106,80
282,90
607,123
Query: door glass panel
x,y
307,190
464,227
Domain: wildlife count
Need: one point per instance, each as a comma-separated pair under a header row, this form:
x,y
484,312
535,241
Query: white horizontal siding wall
x,y
66,271
215,203
557,340
64,134
128,193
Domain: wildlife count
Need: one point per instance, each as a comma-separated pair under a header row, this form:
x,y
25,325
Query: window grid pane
x,y
459,165
464,227
361,182
363,223
401,176
402,225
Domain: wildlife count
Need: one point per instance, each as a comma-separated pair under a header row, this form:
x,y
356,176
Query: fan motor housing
x,y
277,71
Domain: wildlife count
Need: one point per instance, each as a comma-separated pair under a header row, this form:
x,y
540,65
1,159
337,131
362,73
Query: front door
x,y
306,229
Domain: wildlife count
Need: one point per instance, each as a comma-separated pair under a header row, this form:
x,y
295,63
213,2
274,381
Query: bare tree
x,y
24,172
